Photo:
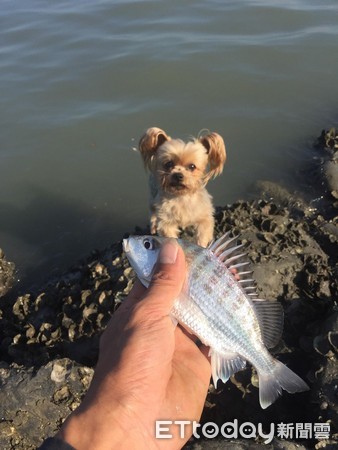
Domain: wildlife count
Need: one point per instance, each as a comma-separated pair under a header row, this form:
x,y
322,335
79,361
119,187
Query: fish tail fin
x,y
271,384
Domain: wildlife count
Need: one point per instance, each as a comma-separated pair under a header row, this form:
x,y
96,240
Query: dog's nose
x,y
177,176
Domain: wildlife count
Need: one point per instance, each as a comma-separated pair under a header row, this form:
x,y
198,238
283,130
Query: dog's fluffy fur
x,y
179,172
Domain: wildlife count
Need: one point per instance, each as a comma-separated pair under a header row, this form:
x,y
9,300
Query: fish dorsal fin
x,y
269,313
225,364
229,253
270,317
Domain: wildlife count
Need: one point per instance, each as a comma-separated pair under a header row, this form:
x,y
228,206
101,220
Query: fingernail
x,y
168,252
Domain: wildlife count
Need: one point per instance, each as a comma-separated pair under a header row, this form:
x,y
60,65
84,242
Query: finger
x,y
234,272
168,279
205,350
137,291
189,334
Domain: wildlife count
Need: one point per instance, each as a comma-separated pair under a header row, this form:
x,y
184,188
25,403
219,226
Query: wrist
x,y
90,429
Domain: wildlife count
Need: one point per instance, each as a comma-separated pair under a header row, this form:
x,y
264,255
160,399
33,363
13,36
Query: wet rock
x,y
332,337
328,146
269,190
331,173
33,404
61,395
7,273
243,444
60,370
322,345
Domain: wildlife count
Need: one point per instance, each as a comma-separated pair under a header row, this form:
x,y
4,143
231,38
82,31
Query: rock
x,y
61,369
331,174
32,403
7,272
328,146
243,444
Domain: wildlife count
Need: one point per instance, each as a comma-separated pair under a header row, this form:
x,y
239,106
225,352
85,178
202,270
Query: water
x,y
81,81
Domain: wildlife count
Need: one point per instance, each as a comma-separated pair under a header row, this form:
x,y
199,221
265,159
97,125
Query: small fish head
x,y
142,253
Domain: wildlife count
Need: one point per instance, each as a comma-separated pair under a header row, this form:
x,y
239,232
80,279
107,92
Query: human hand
x,y
148,370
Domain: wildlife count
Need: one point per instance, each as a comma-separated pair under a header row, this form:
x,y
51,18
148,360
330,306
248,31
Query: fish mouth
x,y
127,249
126,246
144,281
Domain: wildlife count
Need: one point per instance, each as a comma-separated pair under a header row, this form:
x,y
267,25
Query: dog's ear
x,y
149,143
215,148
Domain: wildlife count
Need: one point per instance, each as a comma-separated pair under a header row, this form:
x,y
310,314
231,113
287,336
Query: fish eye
x,y
148,244
191,167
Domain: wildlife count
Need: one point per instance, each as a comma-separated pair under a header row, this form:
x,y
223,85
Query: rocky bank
x,y
49,339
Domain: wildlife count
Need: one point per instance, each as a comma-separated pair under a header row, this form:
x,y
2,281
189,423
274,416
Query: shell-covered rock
x,y
7,274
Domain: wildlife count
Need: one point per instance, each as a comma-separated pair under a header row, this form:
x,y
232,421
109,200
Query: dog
x,y
179,172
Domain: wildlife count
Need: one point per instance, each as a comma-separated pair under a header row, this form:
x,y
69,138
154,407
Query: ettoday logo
x,y
210,430
246,430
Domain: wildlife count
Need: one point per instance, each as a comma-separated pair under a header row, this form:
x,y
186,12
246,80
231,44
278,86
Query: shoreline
x,y
49,339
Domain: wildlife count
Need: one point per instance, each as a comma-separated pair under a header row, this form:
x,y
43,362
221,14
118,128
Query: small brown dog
x,y
179,172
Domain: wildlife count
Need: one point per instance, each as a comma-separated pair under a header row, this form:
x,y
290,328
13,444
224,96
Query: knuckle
x,y
161,276
164,282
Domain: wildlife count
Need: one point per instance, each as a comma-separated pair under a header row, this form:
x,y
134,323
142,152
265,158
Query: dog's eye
x,y
169,165
191,167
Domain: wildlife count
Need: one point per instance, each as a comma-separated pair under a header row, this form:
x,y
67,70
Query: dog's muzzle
x,y
177,177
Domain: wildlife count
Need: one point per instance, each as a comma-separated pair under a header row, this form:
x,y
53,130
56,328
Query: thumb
x,y
168,278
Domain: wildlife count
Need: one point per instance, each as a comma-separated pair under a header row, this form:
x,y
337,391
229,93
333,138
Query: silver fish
x,y
223,311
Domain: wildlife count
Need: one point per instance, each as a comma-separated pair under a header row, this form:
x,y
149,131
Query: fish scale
x,y
223,312
226,287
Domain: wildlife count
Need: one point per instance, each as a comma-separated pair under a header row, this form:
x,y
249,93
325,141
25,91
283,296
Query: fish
x,y
219,304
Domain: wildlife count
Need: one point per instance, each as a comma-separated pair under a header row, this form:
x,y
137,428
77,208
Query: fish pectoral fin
x,y
225,364
270,317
